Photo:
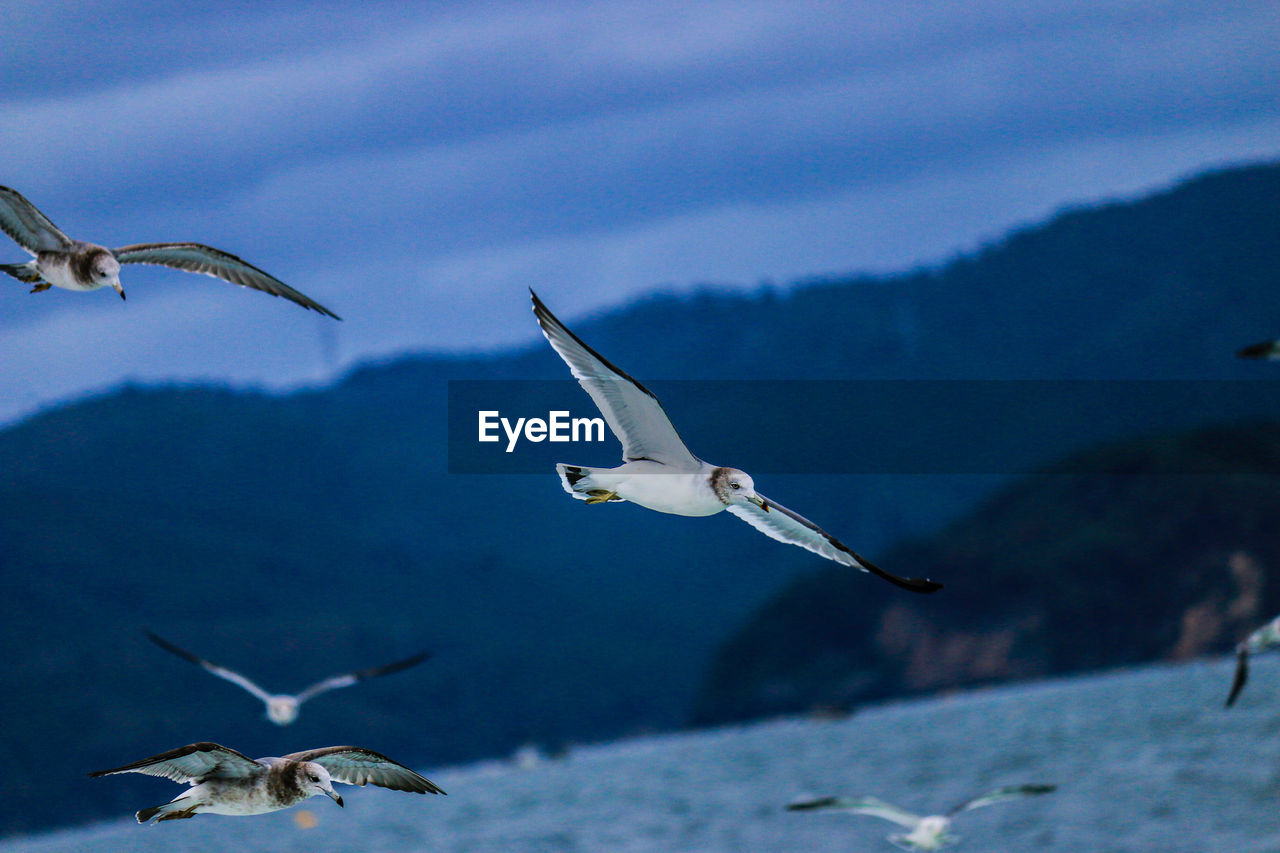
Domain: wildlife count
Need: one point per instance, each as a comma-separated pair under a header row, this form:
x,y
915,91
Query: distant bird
x,y
926,833
282,709
59,261
1266,637
660,473
227,782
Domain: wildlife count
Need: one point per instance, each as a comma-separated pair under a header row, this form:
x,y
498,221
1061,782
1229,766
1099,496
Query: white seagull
x,y
282,708
227,782
59,261
928,832
660,473
1266,637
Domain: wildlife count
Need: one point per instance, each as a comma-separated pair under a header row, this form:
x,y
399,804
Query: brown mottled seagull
x,y
660,473
282,708
59,261
227,782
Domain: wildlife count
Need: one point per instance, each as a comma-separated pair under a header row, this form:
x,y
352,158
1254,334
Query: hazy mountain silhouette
x,y
295,536
1055,573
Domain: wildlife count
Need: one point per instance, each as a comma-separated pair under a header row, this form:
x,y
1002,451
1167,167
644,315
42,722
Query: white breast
x,y
679,494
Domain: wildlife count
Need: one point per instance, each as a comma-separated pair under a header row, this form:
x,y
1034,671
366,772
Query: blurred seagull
x,y
1267,350
926,833
226,782
62,262
282,709
1266,637
660,473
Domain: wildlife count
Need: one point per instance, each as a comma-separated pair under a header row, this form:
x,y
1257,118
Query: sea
x,y
1146,760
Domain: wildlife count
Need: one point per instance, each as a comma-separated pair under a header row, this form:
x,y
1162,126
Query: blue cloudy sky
x,y
415,166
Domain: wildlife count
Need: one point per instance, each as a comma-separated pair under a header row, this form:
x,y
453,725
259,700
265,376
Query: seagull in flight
x,y
660,473
59,261
227,782
929,832
282,708
1266,637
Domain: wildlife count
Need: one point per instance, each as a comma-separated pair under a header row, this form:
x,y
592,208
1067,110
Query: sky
x,y
416,166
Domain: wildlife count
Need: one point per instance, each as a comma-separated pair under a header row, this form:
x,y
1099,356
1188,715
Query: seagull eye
x,y
735,486
314,777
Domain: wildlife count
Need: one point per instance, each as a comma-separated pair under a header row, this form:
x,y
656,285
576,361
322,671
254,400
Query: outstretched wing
x,y
784,525
865,805
356,766
351,678
1242,675
1008,792
220,671
28,227
193,763
194,257
630,409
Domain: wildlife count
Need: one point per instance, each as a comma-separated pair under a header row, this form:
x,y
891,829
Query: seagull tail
x,y
173,810
576,480
22,272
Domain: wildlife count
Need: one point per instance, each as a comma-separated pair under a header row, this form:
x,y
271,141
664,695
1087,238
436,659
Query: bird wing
x,y
193,763
220,671
863,805
350,678
1241,676
630,409
1008,792
356,766
784,525
194,257
28,227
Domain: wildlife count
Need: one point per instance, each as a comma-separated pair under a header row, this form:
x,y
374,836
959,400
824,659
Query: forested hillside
x,y
299,535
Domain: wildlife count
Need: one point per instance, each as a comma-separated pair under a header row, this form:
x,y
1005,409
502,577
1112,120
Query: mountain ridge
x,y
307,533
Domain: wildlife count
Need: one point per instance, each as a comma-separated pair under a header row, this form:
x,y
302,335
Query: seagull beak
x,y
119,289
760,502
333,795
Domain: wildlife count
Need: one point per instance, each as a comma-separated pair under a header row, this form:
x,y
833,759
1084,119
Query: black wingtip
x,y
924,586
540,308
807,805
320,309
1263,350
921,585
388,669
1241,676
1039,789
171,648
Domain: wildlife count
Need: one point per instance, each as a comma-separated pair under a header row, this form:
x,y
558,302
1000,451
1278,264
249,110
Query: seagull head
x,y
105,272
314,780
736,487
282,710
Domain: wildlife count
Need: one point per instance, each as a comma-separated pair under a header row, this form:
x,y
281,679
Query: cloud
x,y
412,165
